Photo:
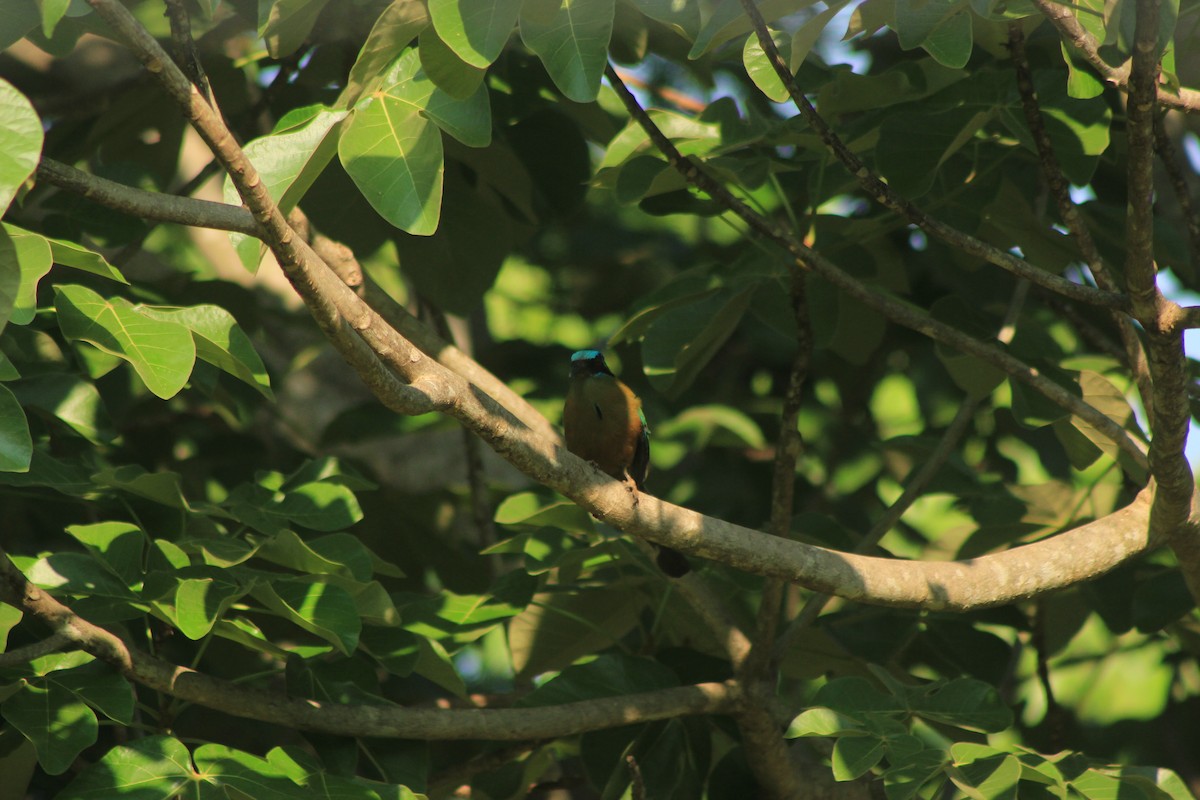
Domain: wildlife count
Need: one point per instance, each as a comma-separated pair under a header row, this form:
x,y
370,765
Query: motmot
x,y
604,424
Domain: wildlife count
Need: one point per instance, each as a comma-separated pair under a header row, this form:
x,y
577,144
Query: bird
x,y
604,424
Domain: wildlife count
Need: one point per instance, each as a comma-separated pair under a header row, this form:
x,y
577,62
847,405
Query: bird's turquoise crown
x,y
585,355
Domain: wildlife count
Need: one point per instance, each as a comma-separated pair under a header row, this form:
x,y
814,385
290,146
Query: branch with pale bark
x,y
503,724
1062,17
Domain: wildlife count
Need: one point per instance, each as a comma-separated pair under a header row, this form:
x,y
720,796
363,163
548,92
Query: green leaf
x,y
76,573
447,71
530,510
571,39
433,662
728,20
680,15
456,266
823,722
20,142
120,545
564,625
714,425
400,23
288,160
161,353
100,686
394,156
219,341
964,703
476,30
680,343
52,13
26,257
20,17
854,755
941,27
288,24
74,401
151,768
760,69
606,676
16,444
984,773
161,487
351,558
59,724
201,600
322,609
913,145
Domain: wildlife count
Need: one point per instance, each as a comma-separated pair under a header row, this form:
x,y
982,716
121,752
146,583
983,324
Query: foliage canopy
x,y
888,276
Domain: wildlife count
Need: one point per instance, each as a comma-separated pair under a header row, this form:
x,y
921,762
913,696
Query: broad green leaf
x,y
321,609
760,69
219,341
456,266
288,24
476,30
162,353
823,722
682,16
55,720
120,545
571,39
728,20
200,601
984,773
905,777
964,703
608,675
52,13
26,257
74,401
76,573
16,444
348,557
161,487
400,23
941,27
794,49
433,662
854,755
913,145
562,626
288,160
447,71
680,343
152,768
530,509
20,142
406,87
394,155
100,686
713,425
20,17
9,617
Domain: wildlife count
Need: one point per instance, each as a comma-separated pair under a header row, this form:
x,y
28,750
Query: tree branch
x,y
148,205
891,308
1159,317
505,724
1068,558
1134,355
1063,18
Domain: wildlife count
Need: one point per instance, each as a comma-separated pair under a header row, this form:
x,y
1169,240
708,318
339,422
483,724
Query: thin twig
x,y
186,53
1170,162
